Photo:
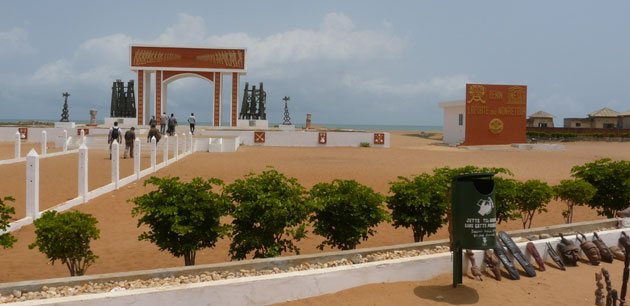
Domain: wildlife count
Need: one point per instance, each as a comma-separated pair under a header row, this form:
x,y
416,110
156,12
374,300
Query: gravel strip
x,y
88,288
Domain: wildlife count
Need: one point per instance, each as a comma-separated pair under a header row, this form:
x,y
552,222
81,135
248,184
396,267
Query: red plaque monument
x,y
495,114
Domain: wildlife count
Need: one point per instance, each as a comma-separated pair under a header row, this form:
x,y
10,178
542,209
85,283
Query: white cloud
x,y
99,61
446,86
54,73
15,42
189,30
336,40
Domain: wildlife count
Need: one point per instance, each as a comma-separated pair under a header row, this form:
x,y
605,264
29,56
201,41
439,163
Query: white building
x,y
454,122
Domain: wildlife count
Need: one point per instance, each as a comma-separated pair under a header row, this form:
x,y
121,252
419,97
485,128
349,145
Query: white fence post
x,y
83,136
190,140
184,147
83,172
32,184
44,143
115,164
65,141
18,143
136,158
176,150
153,152
165,150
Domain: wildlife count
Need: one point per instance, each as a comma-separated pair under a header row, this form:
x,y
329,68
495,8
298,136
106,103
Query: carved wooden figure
x,y
590,249
604,251
618,252
493,263
599,292
531,248
552,253
568,251
474,269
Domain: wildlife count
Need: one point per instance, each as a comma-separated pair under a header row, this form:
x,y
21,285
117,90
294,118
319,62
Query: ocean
x,y
367,127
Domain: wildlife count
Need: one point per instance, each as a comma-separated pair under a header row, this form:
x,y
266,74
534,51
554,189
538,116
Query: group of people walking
x,y
167,126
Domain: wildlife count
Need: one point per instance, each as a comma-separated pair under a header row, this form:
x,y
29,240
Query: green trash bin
x,y
474,217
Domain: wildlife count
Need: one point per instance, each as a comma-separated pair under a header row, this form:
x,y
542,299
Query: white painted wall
x,y
453,132
297,138
276,288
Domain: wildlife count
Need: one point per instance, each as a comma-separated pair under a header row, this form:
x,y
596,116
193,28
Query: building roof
x,y
452,103
626,113
541,114
604,112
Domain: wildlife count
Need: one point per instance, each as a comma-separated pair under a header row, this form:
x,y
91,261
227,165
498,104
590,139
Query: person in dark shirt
x,y
153,132
130,136
172,123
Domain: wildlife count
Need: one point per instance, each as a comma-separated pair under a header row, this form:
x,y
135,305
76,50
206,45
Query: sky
x,y
344,62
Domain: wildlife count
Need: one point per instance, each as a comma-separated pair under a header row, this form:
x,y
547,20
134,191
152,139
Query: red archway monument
x,y
172,63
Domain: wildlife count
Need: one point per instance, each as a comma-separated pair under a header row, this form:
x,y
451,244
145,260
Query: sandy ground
x,y
119,249
7,149
576,286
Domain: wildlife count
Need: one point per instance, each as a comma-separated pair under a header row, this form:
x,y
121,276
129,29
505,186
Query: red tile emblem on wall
x,y
379,138
87,131
259,137
322,138
23,133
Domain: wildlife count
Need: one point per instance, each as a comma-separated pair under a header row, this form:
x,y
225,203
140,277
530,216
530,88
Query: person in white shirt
x,y
191,121
163,121
115,133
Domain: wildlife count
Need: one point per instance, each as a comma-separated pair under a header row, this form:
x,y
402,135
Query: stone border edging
x,y
284,262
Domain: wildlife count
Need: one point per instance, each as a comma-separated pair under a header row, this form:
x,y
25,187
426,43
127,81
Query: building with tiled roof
x,y
540,119
624,120
604,118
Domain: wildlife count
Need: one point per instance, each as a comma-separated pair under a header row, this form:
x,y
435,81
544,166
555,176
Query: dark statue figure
x,y
618,253
253,106
624,240
123,102
604,251
568,251
287,118
590,249
64,113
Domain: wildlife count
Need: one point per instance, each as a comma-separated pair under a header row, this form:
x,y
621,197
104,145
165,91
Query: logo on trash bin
x,y
485,206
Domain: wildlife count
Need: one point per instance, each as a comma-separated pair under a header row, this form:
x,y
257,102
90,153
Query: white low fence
x,y
32,176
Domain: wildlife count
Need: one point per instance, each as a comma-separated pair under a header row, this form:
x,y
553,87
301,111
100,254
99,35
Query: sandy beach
x,y
119,249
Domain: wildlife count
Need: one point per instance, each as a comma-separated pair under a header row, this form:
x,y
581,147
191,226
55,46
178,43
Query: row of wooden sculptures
x,y
568,254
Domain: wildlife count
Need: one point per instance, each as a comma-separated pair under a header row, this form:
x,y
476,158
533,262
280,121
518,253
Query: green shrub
x,y
182,217
537,134
625,135
612,181
345,212
612,135
66,237
270,214
506,194
364,144
533,196
575,193
6,239
418,203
